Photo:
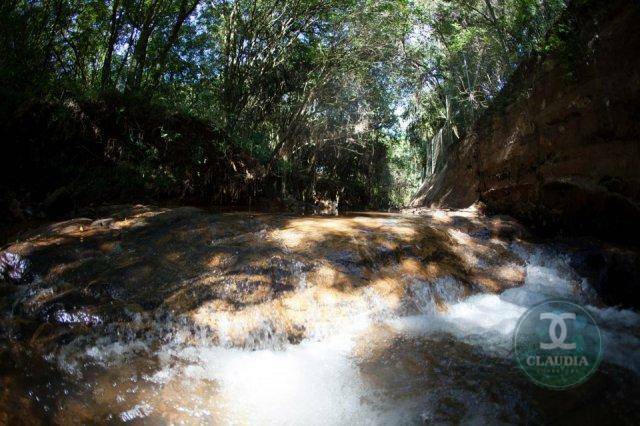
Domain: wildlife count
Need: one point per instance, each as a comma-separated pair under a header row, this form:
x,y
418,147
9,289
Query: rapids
x,y
182,316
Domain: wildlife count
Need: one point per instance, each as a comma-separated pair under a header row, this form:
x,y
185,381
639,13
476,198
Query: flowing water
x,y
367,319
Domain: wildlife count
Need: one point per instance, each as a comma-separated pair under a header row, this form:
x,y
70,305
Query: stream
x,y
180,316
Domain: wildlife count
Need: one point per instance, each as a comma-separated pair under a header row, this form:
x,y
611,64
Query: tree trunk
x,y
113,37
186,9
134,80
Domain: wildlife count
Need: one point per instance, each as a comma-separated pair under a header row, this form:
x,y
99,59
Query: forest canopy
x,y
237,101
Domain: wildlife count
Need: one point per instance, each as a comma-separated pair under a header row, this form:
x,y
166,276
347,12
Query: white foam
x,y
137,412
488,320
310,383
620,329
427,296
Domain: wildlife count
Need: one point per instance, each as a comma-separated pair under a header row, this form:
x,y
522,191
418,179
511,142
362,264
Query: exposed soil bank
x,y
560,148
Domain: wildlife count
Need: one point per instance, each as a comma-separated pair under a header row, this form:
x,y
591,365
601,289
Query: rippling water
x,y
441,356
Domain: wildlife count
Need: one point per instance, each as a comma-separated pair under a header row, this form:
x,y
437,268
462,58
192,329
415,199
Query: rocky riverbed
x,y
180,315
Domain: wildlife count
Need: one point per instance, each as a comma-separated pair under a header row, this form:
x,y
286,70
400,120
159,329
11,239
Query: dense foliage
x,y
463,52
231,101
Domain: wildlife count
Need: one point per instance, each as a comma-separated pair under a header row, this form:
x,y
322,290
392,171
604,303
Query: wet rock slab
x,y
91,272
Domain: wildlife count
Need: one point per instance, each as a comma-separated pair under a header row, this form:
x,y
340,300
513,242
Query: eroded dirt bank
x,y
559,147
183,315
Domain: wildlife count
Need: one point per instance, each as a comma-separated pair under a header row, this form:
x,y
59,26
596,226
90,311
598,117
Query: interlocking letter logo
x,y
569,355
557,322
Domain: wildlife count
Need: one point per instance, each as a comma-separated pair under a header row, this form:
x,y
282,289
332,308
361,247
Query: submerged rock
x,y
614,272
